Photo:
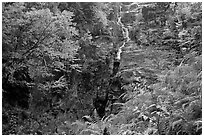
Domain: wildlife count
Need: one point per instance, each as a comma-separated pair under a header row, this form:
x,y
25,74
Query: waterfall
x,y
125,35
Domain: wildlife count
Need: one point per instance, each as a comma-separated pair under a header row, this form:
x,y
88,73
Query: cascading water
x,y
125,35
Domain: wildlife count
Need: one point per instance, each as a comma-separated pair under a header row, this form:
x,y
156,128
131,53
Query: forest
x,y
102,68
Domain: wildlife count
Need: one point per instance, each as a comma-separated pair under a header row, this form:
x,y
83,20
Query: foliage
x,y
152,109
57,57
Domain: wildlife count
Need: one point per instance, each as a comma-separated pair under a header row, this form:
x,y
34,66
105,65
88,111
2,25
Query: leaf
x,y
185,100
119,104
175,123
89,132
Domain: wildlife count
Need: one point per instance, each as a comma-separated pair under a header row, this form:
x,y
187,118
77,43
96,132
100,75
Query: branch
x,y
39,40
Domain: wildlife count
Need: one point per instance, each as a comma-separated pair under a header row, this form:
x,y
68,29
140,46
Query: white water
x,y
125,35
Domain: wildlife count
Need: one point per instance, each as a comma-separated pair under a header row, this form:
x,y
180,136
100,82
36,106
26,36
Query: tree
x,y
130,67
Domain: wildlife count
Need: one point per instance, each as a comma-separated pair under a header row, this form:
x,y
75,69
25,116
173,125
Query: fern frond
x,y
89,132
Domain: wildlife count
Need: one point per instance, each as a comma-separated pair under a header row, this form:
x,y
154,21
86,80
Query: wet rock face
x,y
100,105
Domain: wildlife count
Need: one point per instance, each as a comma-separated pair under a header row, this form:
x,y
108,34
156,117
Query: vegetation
x,y
82,68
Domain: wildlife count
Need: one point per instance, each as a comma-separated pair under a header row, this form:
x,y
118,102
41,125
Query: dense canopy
x,y
102,68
